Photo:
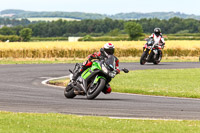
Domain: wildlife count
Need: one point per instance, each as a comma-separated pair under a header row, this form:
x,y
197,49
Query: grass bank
x,y
59,123
59,82
80,60
40,60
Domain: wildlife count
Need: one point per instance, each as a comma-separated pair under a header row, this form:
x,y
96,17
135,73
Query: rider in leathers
x,y
108,49
158,38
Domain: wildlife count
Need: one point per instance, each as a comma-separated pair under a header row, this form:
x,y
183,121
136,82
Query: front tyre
x,y
143,59
69,92
96,90
156,62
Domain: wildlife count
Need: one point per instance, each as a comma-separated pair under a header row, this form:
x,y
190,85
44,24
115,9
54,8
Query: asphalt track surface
x,y
21,91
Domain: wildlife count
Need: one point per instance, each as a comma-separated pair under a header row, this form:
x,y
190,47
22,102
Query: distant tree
x,y
133,29
17,29
7,31
114,32
87,38
26,34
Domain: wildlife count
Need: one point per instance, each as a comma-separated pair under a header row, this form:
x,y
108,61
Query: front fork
x,y
148,52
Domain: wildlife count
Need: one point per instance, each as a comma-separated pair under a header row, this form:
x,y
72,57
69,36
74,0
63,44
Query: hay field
x,y
82,49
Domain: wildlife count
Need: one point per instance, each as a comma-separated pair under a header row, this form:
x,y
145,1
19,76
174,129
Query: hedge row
x,y
73,53
49,39
11,38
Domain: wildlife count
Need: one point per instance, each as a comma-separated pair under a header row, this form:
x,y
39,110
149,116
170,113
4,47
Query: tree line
x,y
14,22
83,15
62,28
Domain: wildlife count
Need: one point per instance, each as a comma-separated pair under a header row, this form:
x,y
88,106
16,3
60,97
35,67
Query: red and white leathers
x,y
98,54
158,39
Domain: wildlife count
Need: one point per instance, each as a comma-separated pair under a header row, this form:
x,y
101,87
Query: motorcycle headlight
x,y
104,69
112,75
149,42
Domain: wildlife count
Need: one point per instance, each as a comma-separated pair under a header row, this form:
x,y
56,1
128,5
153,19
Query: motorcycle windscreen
x,y
150,42
110,61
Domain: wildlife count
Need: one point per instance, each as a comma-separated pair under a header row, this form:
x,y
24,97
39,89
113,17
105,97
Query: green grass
x,y
39,61
169,82
59,123
80,60
59,82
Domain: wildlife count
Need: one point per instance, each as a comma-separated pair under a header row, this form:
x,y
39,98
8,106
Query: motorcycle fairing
x,y
87,73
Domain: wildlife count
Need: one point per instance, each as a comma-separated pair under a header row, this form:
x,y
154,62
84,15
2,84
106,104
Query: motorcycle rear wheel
x,y
96,90
69,92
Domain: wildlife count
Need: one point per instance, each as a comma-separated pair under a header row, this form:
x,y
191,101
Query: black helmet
x,y
109,48
157,31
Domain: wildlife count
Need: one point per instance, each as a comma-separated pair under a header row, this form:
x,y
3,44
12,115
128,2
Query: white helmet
x,y
109,48
157,31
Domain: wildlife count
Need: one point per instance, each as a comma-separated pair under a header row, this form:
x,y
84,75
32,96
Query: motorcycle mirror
x,y
101,50
125,70
70,71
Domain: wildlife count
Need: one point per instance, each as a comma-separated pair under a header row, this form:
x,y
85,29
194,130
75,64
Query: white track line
x,y
132,118
45,81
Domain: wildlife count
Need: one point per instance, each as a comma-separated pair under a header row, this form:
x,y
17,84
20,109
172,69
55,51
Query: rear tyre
x,y
142,59
69,92
94,91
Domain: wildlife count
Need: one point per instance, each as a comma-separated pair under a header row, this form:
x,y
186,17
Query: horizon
x,y
104,13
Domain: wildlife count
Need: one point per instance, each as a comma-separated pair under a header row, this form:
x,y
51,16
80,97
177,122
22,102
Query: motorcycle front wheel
x,y
94,91
156,62
69,92
142,59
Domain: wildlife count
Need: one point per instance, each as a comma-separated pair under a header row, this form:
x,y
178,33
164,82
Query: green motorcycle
x,y
93,80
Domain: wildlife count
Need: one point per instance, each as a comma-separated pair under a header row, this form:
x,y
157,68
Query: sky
x,y
109,7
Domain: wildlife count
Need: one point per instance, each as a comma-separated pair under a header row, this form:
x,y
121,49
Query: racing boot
x,y
107,89
159,55
75,76
79,72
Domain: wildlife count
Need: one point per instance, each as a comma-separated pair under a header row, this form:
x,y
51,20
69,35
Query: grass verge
x,y
80,60
59,123
168,82
39,60
59,82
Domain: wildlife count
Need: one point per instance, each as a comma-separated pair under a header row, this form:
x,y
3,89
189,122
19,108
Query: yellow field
x,y
82,49
94,45
68,45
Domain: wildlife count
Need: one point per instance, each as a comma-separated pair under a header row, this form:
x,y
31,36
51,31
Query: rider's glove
x,y
91,57
163,45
